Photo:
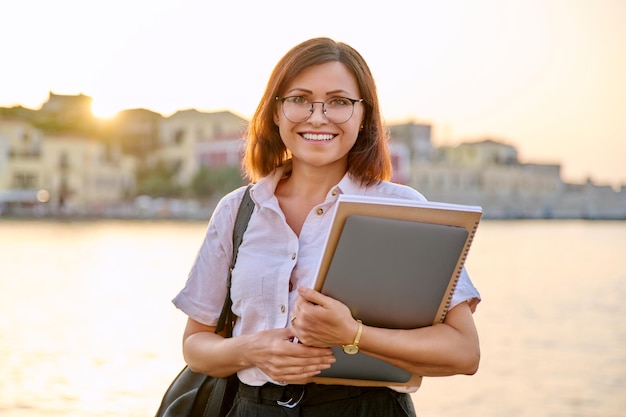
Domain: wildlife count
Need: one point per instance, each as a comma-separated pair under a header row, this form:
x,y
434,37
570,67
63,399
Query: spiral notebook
x,y
395,264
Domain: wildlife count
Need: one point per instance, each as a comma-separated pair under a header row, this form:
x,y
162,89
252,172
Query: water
x,y
87,328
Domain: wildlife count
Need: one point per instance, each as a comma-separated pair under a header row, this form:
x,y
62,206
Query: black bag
x,y
192,394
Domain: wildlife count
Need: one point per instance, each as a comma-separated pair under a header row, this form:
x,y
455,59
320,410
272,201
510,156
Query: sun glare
x,y
104,110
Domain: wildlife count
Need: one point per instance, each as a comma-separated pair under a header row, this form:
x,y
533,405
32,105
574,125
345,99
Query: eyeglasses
x,y
298,109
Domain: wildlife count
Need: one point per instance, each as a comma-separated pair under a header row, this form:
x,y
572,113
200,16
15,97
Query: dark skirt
x,y
315,400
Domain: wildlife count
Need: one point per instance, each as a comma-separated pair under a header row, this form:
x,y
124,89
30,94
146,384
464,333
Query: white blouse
x,y
270,258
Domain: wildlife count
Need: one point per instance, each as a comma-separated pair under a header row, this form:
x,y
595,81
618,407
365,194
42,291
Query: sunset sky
x,y
547,76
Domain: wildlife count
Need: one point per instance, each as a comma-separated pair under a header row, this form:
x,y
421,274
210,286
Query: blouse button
x,y
320,211
293,256
334,192
282,309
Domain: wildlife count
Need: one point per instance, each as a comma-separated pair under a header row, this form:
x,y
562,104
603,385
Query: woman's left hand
x,y
322,321
443,349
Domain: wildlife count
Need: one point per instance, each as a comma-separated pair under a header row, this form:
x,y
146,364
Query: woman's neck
x,y
302,190
312,184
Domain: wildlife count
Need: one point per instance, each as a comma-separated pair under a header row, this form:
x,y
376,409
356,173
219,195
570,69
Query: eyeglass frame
x,y
323,103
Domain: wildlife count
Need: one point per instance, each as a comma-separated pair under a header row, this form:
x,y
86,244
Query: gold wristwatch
x,y
353,348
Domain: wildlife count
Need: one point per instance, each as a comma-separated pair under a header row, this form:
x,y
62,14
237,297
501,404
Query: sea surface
x,y
87,328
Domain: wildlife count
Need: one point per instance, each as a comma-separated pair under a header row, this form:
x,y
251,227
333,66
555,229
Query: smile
x,y
318,137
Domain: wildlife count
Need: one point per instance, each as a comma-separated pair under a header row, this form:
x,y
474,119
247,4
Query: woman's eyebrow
x,y
338,92
328,93
301,90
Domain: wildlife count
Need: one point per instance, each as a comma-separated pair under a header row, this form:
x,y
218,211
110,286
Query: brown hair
x,y
368,160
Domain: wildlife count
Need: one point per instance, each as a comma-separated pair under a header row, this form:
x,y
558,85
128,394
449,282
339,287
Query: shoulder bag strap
x,y
241,224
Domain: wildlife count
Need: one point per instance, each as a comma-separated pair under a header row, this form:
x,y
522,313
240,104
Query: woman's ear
x,y
276,119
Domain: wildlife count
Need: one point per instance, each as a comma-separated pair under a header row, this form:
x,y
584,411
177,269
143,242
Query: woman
x,y
316,133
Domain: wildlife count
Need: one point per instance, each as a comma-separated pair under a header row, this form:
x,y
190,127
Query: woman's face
x,y
316,141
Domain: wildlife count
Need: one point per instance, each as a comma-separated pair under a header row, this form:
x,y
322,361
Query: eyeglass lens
x,y
335,110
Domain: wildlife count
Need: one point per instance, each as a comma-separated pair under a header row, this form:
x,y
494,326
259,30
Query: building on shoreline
x,y
489,173
47,168
60,173
190,139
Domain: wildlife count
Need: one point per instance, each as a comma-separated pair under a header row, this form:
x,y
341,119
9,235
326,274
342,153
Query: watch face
x,y
350,349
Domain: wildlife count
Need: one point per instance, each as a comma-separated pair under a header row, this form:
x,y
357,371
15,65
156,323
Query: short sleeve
x,y
465,291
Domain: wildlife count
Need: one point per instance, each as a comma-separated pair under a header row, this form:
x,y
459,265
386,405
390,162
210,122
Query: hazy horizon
x,y
543,76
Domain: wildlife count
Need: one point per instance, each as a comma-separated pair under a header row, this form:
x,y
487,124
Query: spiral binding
x,y
466,248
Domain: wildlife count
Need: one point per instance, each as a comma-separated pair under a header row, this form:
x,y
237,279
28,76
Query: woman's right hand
x,y
273,351
279,357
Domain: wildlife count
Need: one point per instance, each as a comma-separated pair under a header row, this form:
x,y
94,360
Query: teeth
x,y
318,137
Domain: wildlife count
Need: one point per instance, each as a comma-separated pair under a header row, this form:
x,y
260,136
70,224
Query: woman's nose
x,y
318,116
